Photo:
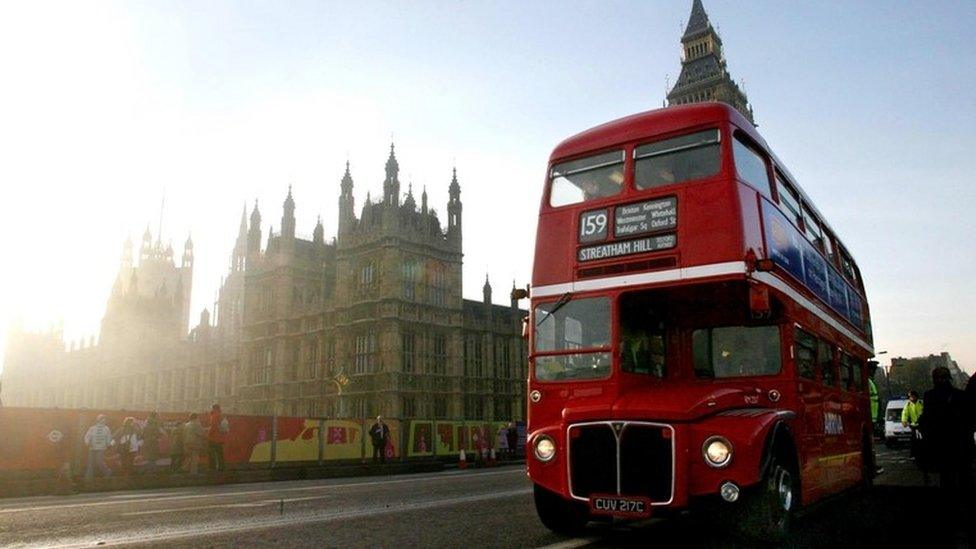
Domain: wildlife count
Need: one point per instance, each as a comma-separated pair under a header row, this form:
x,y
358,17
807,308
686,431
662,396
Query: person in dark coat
x,y
511,437
946,431
379,434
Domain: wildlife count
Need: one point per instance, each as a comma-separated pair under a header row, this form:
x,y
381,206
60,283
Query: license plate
x,y
622,506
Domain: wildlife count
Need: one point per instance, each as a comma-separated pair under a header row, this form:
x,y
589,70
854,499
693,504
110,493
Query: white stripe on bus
x,y
816,309
702,271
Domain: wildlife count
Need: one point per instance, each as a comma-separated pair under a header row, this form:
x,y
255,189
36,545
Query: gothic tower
x,y
347,204
704,76
454,207
391,185
288,217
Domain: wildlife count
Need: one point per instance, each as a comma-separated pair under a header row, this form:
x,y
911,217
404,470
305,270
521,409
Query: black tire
x,y
558,514
767,512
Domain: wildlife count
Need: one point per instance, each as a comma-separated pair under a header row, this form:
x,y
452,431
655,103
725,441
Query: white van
x,y
894,431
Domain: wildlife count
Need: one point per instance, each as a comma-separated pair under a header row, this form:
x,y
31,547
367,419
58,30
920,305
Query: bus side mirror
x,y
519,293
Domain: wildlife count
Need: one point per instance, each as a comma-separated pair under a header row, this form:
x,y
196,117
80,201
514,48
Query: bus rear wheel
x,y
558,514
768,512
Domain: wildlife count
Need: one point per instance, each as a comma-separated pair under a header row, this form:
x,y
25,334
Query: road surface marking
x,y
571,543
262,503
259,524
270,488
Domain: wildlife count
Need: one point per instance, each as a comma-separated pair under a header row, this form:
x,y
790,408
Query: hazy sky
x,y
105,107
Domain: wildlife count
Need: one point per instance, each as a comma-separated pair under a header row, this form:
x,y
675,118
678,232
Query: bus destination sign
x,y
628,247
646,217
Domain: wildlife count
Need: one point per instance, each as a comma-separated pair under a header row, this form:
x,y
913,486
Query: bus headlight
x,y
717,451
545,449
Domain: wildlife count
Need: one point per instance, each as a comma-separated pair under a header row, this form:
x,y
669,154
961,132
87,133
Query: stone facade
x,y
371,322
704,76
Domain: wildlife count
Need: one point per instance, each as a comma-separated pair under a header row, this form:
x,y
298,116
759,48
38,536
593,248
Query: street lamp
x,y
887,371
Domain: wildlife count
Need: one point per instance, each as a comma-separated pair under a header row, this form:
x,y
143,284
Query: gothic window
x,y
313,359
474,407
365,359
411,275
409,407
440,407
440,354
408,347
366,275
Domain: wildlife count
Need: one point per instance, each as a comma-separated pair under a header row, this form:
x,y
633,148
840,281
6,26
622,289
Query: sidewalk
x,y
10,488
52,486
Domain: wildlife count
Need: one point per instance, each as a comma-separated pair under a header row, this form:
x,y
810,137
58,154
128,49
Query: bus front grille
x,y
627,458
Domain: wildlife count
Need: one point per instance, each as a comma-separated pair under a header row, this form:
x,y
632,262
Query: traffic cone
x,y
462,461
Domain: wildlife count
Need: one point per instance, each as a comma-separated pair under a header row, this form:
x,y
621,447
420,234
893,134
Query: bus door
x,y
810,408
834,444
851,379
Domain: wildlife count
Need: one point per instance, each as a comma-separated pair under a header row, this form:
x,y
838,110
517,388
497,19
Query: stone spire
x,y
704,76
288,217
254,233
347,204
391,186
318,235
240,246
454,206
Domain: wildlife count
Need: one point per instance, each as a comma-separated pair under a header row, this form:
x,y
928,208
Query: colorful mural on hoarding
x,y
451,436
42,439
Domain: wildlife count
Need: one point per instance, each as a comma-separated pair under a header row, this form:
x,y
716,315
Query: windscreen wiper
x,y
562,301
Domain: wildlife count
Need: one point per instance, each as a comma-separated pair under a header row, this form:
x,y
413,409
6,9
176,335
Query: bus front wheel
x,y
768,511
558,514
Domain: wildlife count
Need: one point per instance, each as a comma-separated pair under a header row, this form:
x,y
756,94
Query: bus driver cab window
x,y
642,338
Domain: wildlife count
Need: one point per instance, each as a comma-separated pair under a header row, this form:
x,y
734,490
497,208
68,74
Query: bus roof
x,y
658,121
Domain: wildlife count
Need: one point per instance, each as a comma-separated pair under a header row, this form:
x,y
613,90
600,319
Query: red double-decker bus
x,y
698,333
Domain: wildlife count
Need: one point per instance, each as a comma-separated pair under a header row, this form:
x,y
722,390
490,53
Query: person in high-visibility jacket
x,y
909,418
873,392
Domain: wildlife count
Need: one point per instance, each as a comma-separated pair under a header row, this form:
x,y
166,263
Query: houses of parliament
x,y
371,322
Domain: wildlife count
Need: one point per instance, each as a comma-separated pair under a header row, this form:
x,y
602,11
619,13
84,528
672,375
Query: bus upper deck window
x,y
586,179
812,229
788,199
751,166
684,158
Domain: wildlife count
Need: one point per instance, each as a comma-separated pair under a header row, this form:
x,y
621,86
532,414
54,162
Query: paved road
x,y
484,508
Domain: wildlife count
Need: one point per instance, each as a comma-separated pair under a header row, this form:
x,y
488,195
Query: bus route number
x,y
593,226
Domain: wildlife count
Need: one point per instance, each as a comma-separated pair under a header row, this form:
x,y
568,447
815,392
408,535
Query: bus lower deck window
x,y
736,351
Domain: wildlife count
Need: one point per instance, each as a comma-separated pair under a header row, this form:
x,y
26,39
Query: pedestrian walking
x,y
379,435
176,448
216,436
194,442
511,437
98,438
152,433
128,443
